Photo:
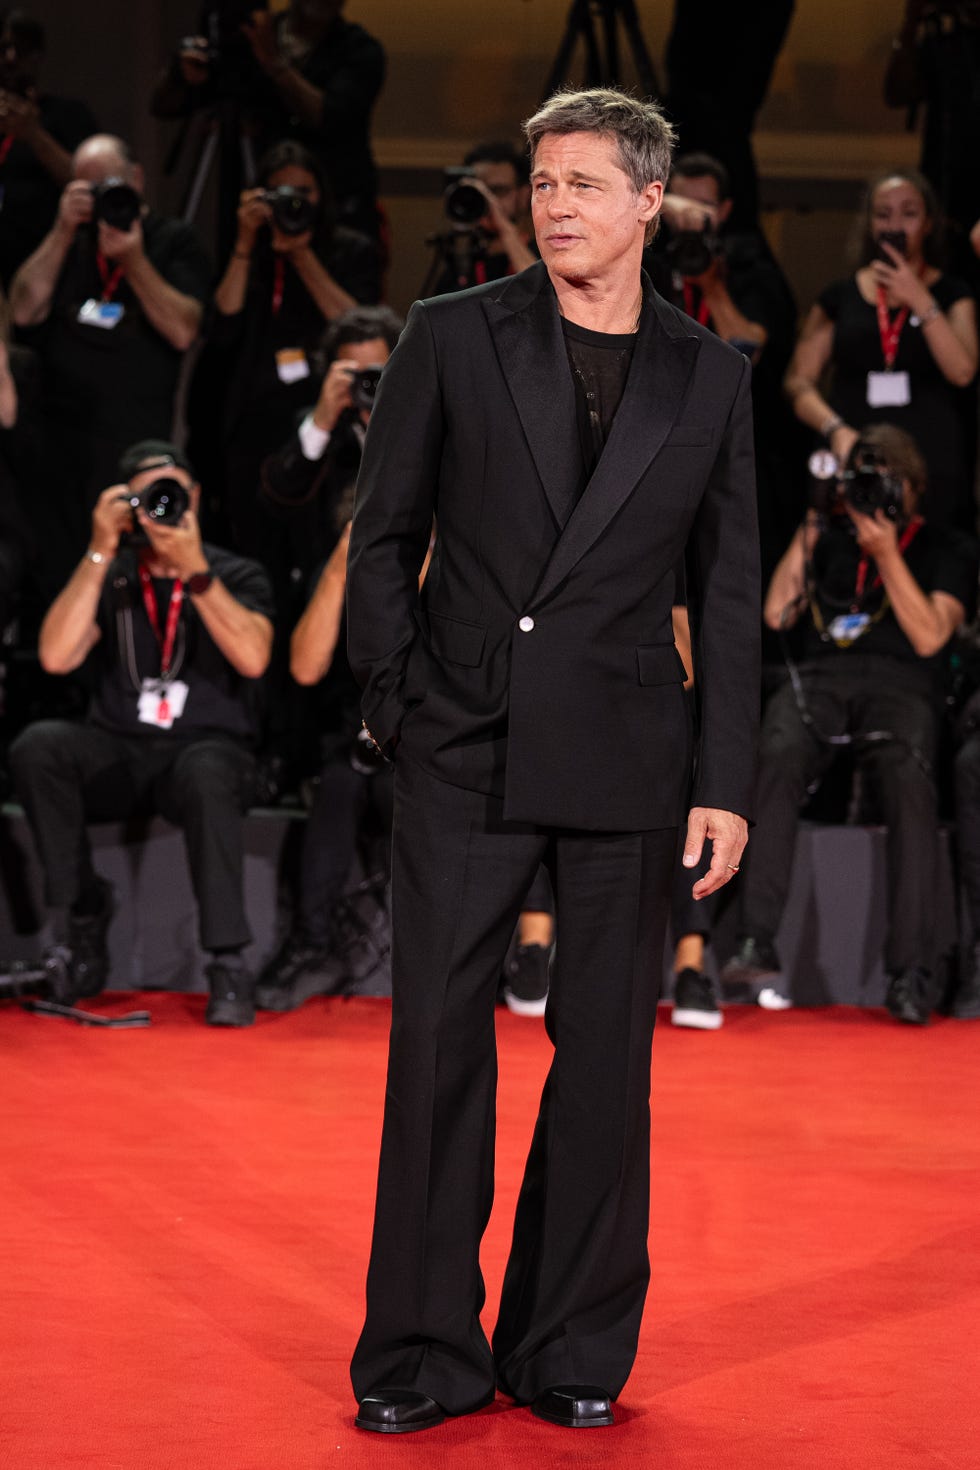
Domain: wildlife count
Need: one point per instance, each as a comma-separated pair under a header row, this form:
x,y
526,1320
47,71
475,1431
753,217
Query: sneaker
x,y
88,946
909,997
526,980
298,971
694,1002
231,1002
965,1005
754,973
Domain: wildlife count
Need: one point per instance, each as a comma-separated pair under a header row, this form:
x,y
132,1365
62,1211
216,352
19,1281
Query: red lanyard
x,y
110,279
5,148
173,618
702,314
862,572
278,284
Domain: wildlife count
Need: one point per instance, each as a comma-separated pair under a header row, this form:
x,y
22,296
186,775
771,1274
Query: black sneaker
x,y
965,1005
88,945
694,1002
298,971
526,980
909,997
231,1002
754,973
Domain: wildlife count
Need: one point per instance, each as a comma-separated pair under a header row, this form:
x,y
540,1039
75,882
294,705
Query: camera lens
x,y
464,203
690,252
293,211
116,203
163,500
364,388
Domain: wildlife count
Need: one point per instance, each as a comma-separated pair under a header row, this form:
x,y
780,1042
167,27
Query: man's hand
x,y
291,244
728,832
110,518
179,547
75,206
335,395
253,215
123,246
876,535
713,278
688,214
19,116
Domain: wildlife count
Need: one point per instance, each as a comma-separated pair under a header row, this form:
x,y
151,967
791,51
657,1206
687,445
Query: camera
x,y
691,252
463,201
897,239
163,500
293,211
116,203
364,756
867,484
364,387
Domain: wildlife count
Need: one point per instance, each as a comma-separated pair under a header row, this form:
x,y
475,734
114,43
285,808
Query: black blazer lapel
x,y
663,362
527,337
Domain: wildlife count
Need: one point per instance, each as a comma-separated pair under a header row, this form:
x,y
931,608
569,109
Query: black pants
x,y
330,840
851,694
967,774
578,1269
67,775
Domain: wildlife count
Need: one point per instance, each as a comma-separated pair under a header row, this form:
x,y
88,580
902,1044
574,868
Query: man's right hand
x,y
688,214
335,395
253,215
76,206
110,518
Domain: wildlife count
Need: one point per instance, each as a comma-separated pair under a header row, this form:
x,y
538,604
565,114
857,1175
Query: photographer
x,y
112,297
501,174
38,134
879,592
728,281
177,633
292,271
304,74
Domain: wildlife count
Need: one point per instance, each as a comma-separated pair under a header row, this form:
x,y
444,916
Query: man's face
x,y
588,219
97,162
702,189
501,180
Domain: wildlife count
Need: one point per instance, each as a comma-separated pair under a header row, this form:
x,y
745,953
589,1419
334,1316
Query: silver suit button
x,y
526,624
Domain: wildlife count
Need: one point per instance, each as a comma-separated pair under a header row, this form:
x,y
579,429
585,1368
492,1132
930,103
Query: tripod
x,y
596,24
458,253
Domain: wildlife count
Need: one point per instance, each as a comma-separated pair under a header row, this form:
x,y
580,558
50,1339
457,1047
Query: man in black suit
x,y
573,437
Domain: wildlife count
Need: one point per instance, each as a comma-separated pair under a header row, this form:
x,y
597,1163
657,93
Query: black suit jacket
x,y
539,662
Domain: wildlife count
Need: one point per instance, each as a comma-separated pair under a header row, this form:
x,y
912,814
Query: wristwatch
x,y
200,582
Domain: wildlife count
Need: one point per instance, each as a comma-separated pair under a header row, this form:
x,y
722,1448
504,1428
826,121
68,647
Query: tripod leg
x,y
642,60
579,21
195,192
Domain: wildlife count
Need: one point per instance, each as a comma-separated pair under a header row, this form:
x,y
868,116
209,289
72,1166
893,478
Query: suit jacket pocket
x,y
458,642
660,663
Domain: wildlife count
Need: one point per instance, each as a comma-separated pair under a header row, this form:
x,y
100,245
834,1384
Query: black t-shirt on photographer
x,y
939,559
220,701
29,194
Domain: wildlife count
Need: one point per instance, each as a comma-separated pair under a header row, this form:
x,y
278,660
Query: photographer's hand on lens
x,y
121,245
178,547
335,394
876,535
111,518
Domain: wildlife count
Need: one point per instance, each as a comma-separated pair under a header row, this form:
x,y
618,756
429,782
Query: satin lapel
x,y
659,375
531,351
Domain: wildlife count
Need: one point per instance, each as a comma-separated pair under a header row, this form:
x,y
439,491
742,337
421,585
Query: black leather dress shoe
x,y
398,1411
575,1406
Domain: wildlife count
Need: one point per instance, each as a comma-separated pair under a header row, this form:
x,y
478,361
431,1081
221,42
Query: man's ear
x,y
723,211
137,177
650,198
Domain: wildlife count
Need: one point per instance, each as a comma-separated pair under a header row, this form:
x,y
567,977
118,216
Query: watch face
x,y
200,582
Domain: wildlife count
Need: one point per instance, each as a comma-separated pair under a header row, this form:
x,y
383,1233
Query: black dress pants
x,y
858,694
578,1269
67,775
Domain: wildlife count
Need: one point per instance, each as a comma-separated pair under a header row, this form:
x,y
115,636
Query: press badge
x,y
291,364
105,314
848,627
889,390
161,702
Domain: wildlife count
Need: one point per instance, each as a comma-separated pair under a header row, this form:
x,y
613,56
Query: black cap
x,y
152,454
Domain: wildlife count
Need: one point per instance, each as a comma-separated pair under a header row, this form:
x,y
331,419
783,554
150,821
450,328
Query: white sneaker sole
x,y
699,1020
520,1007
772,1000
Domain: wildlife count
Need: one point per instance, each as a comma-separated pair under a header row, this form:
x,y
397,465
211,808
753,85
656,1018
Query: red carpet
x,y
186,1216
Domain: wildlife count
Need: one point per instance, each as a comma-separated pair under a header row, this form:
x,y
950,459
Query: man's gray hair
x,y
642,132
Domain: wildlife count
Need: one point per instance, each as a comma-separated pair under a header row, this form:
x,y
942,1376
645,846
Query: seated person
x,y
177,633
879,592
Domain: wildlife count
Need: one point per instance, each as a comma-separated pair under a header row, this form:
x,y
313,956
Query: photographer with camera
x,y
900,339
292,271
112,297
879,592
38,134
177,633
487,201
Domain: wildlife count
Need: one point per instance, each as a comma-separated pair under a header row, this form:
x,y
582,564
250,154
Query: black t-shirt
x,y
940,560
220,701
29,195
600,363
116,384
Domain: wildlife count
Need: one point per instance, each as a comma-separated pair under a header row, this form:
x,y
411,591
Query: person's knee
x,y
208,775
44,746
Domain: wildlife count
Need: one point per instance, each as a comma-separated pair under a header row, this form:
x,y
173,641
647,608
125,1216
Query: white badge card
x,y
105,314
848,627
291,364
161,702
889,390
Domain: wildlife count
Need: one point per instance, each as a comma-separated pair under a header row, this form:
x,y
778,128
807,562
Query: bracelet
x,y
930,316
829,425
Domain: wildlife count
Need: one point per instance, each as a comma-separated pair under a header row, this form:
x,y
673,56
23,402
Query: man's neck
x,y
601,306
157,567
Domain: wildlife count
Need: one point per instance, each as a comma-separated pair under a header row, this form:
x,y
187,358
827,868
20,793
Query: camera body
x,y
293,211
464,203
691,252
364,388
866,484
897,239
116,203
164,501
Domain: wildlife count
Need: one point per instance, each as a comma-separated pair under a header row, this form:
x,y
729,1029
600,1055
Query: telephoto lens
x,y
116,203
163,500
463,202
364,388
